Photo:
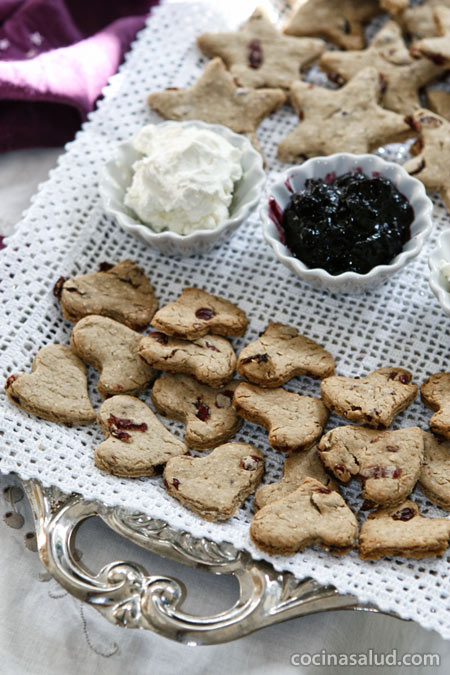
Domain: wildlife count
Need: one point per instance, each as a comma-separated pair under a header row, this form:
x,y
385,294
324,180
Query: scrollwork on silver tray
x,y
127,595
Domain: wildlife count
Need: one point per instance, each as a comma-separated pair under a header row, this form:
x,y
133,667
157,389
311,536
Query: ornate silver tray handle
x,y
126,595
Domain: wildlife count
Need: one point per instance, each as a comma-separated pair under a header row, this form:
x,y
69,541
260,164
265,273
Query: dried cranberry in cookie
x,y
122,292
373,400
311,515
215,486
282,353
56,389
208,413
388,463
112,349
297,467
258,55
210,360
137,443
294,422
402,532
196,313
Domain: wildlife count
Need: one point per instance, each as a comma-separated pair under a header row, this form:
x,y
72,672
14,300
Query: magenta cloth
x,y
55,58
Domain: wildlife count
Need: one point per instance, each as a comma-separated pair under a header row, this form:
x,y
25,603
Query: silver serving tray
x,y
127,595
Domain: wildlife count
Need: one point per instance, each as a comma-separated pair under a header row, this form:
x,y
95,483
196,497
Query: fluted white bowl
x,y
117,176
439,284
293,180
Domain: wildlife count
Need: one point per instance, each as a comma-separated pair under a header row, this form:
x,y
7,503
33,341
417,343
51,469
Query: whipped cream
x,y
185,179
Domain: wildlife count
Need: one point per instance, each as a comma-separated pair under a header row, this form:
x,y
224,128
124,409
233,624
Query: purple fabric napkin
x,y
55,58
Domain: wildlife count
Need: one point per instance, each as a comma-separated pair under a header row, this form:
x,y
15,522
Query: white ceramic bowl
x,y
340,163
439,284
117,176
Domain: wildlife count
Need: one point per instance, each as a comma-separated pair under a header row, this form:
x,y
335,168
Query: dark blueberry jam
x,y
349,224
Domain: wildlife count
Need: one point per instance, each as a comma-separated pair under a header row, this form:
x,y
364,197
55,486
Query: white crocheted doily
x,y
65,232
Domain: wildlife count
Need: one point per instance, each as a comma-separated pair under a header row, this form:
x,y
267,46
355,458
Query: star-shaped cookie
x,y
217,99
401,74
431,164
258,55
437,48
346,120
339,21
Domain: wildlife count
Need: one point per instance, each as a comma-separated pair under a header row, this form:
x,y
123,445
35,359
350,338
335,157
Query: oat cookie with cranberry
x,y
211,360
434,478
137,443
258,55
339,21
432,152
294,422
388,463
196,313
435,394
217,99
401,74
215,486
120,291
282,353
112,349
56,389
373,400
297,467
349,119
402,532
208,413
312,515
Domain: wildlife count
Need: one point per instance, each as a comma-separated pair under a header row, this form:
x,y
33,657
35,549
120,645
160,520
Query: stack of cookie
x,y
189,343
258,68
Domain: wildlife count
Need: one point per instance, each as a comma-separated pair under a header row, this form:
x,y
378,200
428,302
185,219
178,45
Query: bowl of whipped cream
x,y
183,187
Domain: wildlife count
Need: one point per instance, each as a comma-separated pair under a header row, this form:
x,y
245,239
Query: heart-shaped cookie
x,y
120,291
56,390
196,313
208,413
435,394
388,463
402,531
215,486
373,400
311,515
434,477
297,467
137,443
211,360
112,349
281,353
294,422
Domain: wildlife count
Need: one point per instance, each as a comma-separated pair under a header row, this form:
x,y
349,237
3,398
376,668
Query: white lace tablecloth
x,y
66,232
